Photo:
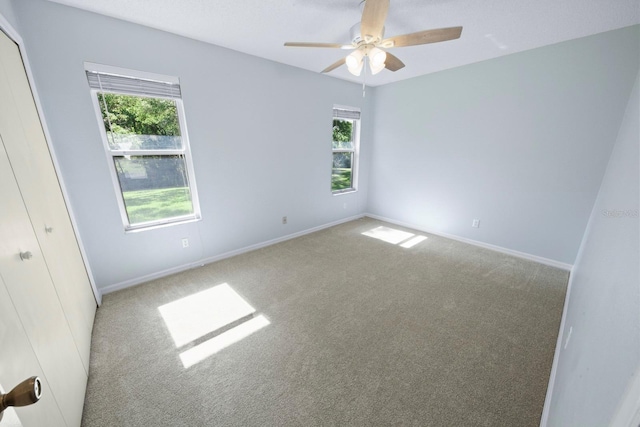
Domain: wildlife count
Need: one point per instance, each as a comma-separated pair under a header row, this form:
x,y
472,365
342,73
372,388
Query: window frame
x,y
355,151
111,154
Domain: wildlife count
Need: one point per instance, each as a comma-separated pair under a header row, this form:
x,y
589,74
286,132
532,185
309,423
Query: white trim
x,y
142,279
138,280
155,152
191,173
345,191
524,255
124,218
13,34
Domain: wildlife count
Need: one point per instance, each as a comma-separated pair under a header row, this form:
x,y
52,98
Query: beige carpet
x,y
361,332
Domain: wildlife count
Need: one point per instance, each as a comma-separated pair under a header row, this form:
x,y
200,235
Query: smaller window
x,y
346,140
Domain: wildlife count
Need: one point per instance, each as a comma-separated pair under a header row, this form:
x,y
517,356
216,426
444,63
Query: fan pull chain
x,y
364,76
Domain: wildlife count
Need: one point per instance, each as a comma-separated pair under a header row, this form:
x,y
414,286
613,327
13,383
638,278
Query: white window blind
x,y
346,114
132,85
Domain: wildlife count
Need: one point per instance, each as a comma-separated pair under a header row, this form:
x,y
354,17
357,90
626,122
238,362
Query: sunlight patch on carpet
x,y
212,346
391,235
413,241
202,313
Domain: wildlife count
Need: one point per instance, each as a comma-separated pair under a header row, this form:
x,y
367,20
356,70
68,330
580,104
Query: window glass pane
x,y
342,134
341,171
154,187
140,123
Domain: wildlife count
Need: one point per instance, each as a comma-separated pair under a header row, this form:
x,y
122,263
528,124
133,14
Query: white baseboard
x,y
541,260
524,255
201,262
157,275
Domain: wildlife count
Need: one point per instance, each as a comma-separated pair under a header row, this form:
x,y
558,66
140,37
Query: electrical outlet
x,y
476,223
185,243
344,206
284,219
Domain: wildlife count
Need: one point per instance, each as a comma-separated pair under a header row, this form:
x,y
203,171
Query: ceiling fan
x,y
367,41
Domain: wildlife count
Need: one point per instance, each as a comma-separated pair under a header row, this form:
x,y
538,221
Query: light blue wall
x,y
260,136
520,142
6,10
603,310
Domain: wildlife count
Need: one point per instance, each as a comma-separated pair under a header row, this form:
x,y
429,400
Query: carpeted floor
x,y
361,332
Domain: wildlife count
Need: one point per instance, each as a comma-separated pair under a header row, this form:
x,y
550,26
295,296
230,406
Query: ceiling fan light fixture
x,y
356,70
377,57
375,69
354,62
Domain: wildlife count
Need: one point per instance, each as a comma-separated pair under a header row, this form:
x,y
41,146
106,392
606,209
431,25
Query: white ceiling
x,y
492,28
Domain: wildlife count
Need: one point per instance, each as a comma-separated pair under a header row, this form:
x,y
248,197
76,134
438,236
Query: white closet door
x,y
18,362
27,148
35,300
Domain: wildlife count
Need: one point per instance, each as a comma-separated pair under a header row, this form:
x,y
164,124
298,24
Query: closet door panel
x,y
27,148
36,301
18,362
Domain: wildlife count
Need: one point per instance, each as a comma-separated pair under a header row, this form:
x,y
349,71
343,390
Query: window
x,y
346,139
146,142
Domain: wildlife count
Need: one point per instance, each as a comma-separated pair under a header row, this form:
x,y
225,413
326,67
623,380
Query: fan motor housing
x,y
356,36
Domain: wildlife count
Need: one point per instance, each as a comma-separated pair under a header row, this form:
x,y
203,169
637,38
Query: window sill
x,y
154,226
341,192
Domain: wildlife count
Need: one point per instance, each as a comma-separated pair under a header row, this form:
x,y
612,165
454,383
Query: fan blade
x,y
334,65
392,63
423,37
373,17
329,45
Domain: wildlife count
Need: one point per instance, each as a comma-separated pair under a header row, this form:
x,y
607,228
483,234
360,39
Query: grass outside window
x,y
157,204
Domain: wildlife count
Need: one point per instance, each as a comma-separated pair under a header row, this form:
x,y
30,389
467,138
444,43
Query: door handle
x,y
25,393
26,255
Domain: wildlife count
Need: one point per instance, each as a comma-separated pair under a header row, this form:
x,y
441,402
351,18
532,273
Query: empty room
x,y
319,213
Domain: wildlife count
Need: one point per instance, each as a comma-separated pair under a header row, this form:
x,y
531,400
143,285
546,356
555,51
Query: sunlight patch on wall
x,y
212,346
395,237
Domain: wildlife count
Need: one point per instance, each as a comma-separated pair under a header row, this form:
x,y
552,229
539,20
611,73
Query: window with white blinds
x,y
345,145
143,128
